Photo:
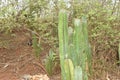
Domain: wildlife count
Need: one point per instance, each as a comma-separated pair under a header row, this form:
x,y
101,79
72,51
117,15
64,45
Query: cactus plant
x,y
74,48
78,73
87,45
63,38
69,69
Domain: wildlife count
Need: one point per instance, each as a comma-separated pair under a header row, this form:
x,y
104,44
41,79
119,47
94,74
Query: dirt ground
x,y
17,58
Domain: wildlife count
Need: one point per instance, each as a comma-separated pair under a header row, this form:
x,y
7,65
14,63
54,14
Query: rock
x,y
35,77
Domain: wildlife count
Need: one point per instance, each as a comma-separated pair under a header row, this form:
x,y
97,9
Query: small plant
x,y
119,51
51,62
36,45
74,49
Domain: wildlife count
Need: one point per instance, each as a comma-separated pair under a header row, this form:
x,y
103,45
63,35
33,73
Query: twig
x,y
38,64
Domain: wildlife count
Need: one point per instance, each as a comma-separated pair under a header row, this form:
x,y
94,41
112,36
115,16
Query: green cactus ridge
x,y
74,48
69,69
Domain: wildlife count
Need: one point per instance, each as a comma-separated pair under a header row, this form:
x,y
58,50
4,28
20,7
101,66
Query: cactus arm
x,y
63,39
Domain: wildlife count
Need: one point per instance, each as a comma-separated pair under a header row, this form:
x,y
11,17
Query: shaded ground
x,y
17,58
105,63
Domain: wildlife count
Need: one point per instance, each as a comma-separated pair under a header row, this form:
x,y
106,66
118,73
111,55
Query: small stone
x,y
26,77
